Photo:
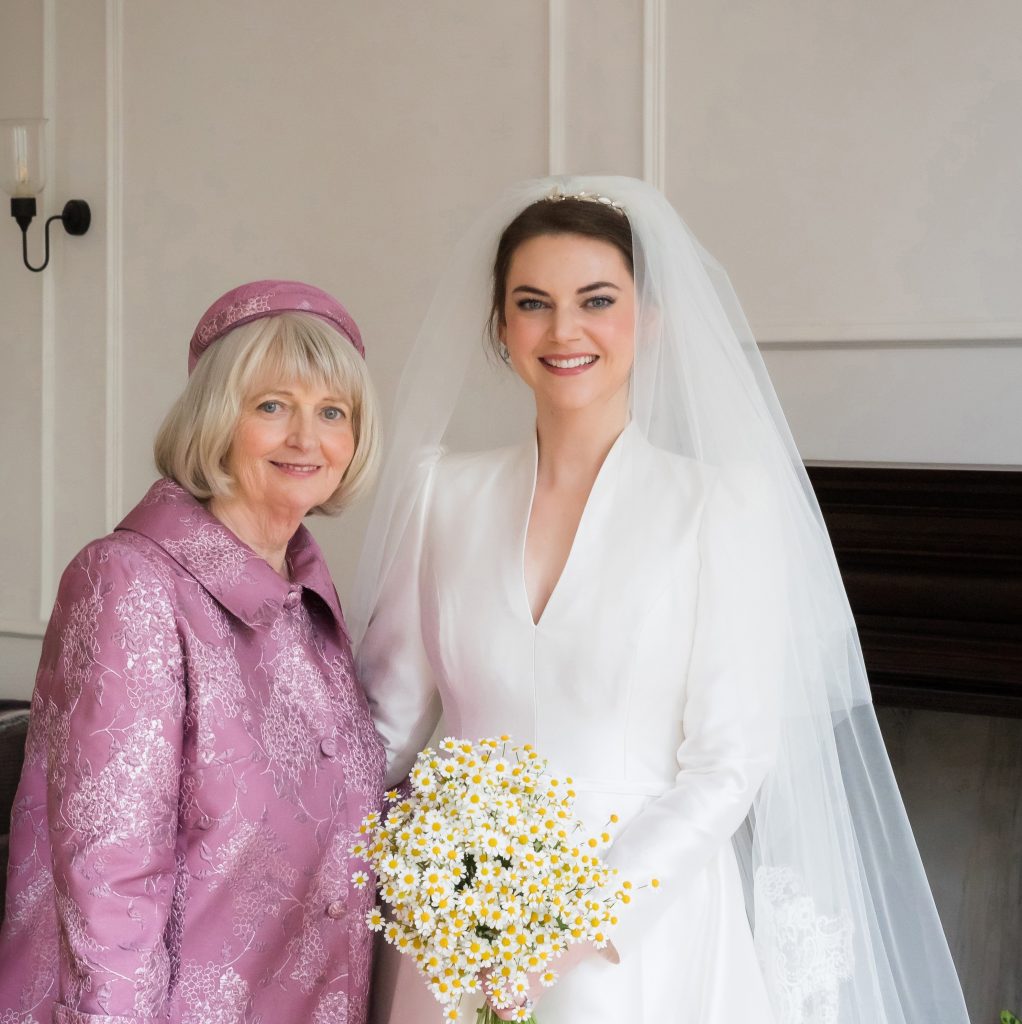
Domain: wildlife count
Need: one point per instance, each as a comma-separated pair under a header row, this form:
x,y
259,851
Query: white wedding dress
x,y
650,679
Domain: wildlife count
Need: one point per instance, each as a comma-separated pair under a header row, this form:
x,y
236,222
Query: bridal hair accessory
x,y
259,299
557,195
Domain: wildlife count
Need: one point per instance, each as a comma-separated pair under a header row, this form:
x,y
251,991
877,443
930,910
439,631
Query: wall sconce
x,y
24,176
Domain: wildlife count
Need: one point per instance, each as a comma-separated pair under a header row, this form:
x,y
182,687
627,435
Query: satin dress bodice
x,y
598,683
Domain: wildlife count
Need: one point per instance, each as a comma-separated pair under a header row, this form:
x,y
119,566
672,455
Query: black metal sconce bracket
x,y
76,218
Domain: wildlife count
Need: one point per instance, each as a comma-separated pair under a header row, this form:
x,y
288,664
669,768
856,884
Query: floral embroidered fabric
x,y
199,758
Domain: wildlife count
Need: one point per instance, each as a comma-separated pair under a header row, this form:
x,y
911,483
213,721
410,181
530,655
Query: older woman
x,y
201,754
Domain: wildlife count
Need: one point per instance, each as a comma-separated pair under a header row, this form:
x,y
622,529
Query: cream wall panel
x,y
21,299
928,404
21,302
21,63
601,62
61,424
19,658
853,164
79,283
853,168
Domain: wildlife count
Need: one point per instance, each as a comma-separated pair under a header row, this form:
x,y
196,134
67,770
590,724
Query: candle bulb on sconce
x,y
22,187
23,175
24,165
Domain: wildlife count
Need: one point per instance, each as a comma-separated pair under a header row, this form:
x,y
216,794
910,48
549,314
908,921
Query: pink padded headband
x,y
261,299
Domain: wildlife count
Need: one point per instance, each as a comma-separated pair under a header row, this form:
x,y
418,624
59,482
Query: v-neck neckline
x,y
601,473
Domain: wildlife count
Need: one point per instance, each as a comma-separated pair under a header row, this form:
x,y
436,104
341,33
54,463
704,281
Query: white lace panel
x,y
805,955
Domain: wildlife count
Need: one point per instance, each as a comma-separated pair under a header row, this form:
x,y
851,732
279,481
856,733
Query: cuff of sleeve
x,y
65,1015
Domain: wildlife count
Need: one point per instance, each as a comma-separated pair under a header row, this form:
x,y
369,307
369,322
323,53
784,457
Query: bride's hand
x,y
569,959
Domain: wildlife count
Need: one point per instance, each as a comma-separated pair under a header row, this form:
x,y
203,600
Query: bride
x,y
643,588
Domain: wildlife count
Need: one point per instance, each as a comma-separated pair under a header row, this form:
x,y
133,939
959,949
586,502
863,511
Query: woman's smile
x,y
566,366
297,468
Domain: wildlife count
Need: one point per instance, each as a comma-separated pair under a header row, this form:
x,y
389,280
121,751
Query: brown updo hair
x,y
566,216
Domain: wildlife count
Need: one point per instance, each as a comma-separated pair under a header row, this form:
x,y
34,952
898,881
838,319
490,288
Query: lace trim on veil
x,y
805,956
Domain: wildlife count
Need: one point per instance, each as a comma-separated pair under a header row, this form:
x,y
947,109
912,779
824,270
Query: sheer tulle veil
x,y
844,923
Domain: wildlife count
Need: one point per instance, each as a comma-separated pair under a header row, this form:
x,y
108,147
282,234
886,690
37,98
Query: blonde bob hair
x,y
196,436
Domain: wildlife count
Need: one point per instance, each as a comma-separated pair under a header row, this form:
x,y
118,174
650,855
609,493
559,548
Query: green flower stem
x,y
487,1016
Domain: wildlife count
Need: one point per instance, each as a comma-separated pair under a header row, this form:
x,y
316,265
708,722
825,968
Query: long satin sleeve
x,y
730,718
393,663
111,721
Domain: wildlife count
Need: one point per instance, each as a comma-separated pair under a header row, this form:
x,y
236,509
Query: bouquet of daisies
x,y
487,872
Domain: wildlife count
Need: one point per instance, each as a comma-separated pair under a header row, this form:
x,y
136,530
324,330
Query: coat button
x,y
328,747
336,910
293,598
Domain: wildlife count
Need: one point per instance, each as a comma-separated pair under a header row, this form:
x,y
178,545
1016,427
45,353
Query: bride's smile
x,y
568,365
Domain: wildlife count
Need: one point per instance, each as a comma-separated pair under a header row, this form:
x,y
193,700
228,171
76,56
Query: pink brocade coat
x,y
199,759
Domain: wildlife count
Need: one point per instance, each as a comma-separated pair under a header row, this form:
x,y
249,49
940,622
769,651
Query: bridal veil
x,y
843,919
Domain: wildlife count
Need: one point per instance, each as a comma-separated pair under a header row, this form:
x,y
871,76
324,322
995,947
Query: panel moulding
x,y
654,91
114,444
999,334
557,156
47,342
22,630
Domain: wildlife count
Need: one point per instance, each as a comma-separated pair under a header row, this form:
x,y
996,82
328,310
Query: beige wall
x,y
852,165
